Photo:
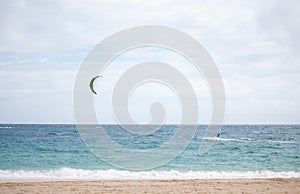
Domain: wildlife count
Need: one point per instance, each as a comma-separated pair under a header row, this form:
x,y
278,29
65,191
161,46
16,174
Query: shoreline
x,y
113,174
257,185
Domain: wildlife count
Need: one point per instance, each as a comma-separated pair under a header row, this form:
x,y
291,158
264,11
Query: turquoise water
x,y
31,150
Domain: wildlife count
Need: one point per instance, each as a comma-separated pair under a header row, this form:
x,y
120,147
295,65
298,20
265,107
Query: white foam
x,y
5,127
221,139
288,142
69,173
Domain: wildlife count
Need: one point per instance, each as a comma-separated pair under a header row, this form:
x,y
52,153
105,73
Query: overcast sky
x,y
255,44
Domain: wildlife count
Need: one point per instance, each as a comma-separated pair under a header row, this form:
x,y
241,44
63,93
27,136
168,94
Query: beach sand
x,y
153,186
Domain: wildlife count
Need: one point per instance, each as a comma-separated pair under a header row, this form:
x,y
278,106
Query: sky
x,y
255,44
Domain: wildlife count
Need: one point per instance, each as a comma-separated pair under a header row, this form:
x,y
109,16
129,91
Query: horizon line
x,y
27,123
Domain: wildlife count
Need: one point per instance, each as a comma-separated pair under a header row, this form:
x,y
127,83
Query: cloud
x,y
32,25
254,43
37,92
279,20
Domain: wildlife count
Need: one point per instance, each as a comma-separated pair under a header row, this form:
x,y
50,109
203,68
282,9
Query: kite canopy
x,y
92,83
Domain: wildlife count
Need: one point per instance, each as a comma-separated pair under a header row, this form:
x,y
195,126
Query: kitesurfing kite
x,y
92,83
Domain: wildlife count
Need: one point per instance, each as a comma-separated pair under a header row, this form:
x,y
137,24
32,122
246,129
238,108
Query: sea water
x,y
35,151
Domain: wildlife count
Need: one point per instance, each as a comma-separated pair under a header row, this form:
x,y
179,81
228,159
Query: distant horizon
x,y
148,124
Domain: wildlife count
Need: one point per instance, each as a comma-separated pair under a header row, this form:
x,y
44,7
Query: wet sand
x,y
152,186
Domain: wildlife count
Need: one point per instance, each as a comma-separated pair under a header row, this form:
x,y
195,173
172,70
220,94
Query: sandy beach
x,y
153,186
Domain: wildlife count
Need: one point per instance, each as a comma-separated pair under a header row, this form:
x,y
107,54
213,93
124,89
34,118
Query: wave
x,y
69,173
246,140
5,127
282,142
222,139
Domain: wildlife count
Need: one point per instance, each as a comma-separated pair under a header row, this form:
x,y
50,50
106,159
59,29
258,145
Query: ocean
x,y
48,151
